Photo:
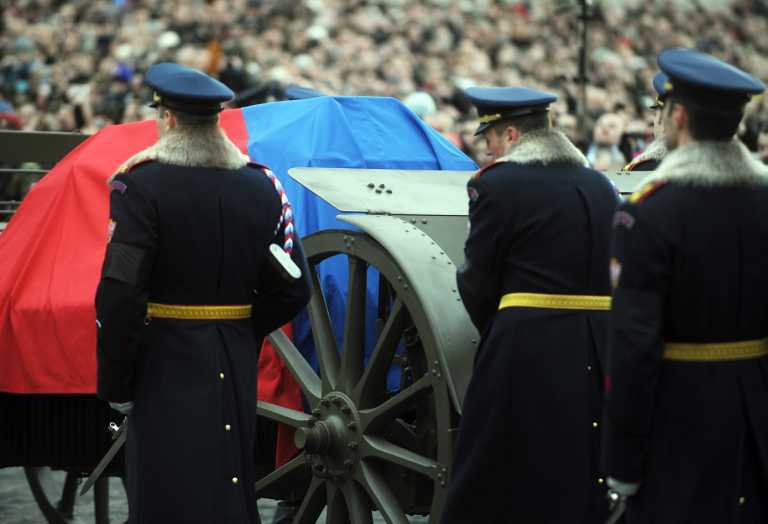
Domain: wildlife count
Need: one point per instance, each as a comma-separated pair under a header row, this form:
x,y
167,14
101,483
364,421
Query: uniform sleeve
x,y
121,297
640,267
479,278
278,299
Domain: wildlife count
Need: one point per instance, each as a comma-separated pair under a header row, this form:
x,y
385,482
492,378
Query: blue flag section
x,y
341,132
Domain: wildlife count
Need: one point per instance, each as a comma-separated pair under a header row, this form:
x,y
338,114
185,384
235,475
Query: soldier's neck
x,y
683,138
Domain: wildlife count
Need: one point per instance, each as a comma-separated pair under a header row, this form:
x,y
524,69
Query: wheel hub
x,y
331,441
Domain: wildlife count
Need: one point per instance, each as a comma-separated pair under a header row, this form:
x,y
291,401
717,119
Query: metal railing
x,y
19,149
7,209
42,148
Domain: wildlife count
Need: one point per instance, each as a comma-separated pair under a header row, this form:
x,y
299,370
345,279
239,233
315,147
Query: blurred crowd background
x,y
77,65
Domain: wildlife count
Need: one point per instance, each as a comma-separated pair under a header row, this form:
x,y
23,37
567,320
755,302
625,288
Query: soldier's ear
x,y
170,120
680,116
512,134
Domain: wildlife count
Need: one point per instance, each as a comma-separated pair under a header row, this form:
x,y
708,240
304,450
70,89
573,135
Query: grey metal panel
x,y
431,275
388,191
628,181
44,148
448,232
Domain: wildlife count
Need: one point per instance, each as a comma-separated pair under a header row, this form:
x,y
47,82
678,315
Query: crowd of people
x,y
78,65
633,330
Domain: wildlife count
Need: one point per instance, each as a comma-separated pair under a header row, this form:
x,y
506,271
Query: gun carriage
x,y
383,394
366,445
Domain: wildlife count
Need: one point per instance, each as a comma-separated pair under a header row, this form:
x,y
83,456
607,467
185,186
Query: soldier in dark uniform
x,y
187,293
535,284
686,434
650,159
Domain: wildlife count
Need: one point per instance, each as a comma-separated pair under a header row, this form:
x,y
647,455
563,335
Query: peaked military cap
x,y
495,104
706,81
660,81
186,89
297,92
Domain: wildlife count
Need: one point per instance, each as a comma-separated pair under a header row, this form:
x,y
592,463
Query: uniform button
x,y
595,424
221,376
742,500
235,480
600,480
227,427
589,368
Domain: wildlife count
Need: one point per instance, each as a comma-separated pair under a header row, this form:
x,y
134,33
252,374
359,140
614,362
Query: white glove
x,y
122,407
625,489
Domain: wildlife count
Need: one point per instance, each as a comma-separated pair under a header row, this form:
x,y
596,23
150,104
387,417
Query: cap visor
x,y
482,127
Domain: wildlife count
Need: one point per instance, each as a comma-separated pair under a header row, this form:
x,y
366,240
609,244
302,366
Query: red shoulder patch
x,y
126,168
472,193
485,168
647,190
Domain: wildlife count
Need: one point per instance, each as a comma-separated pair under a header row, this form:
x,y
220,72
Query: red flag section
x,y
50,261
277,385
51,254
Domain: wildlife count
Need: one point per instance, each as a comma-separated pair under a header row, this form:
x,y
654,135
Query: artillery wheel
x,y
56,498
364,447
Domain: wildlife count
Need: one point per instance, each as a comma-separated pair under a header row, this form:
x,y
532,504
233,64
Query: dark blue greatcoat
x,y
190,236
690,260
528,443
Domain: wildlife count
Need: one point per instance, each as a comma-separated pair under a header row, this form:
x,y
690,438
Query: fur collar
x,y
544,146
192,147
711,164
656,150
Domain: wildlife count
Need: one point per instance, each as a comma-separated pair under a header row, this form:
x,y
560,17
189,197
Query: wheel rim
x,y
365,448
46,489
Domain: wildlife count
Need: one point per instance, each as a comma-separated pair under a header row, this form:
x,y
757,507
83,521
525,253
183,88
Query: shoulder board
x,y
485,168
647,190
635,164
126,168
256,165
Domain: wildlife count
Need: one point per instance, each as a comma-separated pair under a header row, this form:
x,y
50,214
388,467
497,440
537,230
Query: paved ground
x,y
18,507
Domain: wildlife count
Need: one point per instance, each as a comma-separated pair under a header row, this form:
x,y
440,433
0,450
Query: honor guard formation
x,y
620,345
644,371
